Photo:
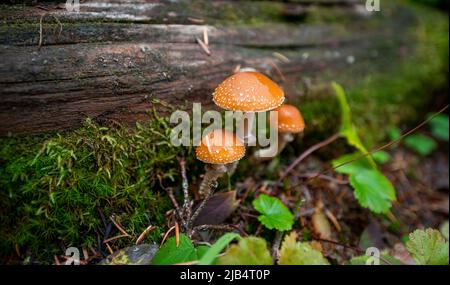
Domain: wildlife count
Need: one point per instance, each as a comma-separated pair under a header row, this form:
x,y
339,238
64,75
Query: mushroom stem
x,y
265,154
213,172
245,129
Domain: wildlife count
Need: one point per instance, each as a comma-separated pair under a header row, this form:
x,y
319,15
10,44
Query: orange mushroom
x,y
220,150
288,122
248,91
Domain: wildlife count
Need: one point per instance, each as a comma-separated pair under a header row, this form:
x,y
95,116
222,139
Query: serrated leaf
x,y
249,251
385,260
421,144
352,167
274,214
373,190
440,127
428,247
169,253
299,253
210,255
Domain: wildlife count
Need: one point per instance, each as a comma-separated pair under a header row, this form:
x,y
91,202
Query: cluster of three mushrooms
x,y
244,92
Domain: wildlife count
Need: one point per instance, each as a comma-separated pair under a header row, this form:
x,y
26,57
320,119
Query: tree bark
x,y
113,59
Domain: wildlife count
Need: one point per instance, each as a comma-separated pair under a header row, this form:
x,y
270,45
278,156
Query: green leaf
x,y
352,167
385,260
249,251
428,247
381,157
439,127
394,133
202,250
348,129
444,230
299,253
169,253
421,144
210,255
275,215
373,190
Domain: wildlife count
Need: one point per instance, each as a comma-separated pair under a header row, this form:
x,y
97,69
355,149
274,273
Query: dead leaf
x,y
320,224
218,208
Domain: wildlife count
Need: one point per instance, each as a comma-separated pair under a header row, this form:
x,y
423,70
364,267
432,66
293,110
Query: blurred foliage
x,y
54,194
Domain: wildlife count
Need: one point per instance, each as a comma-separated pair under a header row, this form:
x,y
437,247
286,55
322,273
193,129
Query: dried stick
x,y
276,245
118,226
306,153
114,238
144,233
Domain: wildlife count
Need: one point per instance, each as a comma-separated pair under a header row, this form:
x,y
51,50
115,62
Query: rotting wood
x,y
111,60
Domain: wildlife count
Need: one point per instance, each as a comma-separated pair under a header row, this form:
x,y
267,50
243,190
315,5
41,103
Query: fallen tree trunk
x,y
111,60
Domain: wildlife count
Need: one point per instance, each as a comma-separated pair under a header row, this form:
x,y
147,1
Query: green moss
x,y
54,189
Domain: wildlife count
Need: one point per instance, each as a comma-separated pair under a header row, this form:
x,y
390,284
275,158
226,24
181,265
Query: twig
x,y
200,208
357,249
109,248
187,205
40,26
166,235
196,20
306,153
228,228
118,226
177,234
144,233
205,36
276,245
114,238
333,219
281,57
277,70
324,177
203,46
40,31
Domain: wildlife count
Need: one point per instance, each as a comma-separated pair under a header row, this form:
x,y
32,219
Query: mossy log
x,y
112,59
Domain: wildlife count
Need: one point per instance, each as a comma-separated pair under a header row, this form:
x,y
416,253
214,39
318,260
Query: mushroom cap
x,y
248,92
220,147
290,119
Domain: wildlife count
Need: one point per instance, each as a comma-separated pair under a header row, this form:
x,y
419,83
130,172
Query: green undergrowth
x,y
55,189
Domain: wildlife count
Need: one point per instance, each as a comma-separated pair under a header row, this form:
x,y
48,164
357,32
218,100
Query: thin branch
x,y
144,233
200,208
203,46
306,153
114,238
118,226
276,245
166,235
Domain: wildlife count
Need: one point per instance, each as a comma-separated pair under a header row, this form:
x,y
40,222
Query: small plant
x,y
426,247
371,188
274,214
